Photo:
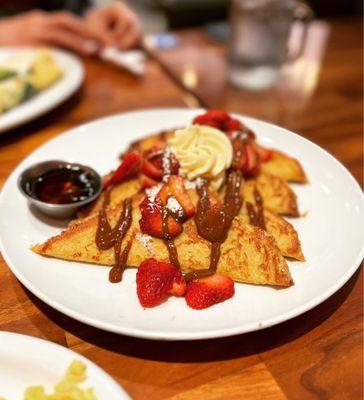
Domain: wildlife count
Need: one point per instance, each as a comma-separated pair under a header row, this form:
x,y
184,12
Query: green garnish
x,y
5,74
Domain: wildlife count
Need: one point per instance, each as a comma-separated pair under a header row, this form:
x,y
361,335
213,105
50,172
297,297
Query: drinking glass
x,y
259,37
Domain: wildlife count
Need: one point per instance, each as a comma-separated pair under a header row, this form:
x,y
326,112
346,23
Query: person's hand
x,y
61,29
116,24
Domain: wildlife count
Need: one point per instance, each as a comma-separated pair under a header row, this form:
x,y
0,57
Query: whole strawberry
x,y
206,292
156,281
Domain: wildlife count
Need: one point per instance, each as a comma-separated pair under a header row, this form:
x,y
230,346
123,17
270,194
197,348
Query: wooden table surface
x,y
315,356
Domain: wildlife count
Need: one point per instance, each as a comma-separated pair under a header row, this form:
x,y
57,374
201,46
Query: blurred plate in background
x,y
29,361
41,103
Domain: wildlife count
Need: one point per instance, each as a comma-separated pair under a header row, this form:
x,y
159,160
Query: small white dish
x,y
332,236
41,103
29,361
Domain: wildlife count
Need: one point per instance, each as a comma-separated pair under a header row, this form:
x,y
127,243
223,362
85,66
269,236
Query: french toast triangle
x,y
283,232
285,167
248,255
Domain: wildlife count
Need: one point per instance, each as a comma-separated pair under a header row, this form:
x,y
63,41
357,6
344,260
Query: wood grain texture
x,y
317,355
22,312
247,384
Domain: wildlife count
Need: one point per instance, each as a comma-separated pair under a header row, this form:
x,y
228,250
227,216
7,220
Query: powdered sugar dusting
x,y
166,160
145,240
199,182
152,192
174,207
190,184
235,135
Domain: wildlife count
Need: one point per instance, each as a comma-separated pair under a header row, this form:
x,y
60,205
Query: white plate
x,y
49,98
332,237
29,361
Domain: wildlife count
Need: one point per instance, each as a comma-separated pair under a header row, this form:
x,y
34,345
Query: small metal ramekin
x,y
55,210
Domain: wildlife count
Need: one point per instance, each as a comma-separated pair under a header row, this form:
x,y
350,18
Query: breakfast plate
x,y
332,240
28,361
48,98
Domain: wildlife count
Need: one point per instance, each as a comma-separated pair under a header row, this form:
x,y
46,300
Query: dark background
x,y
193,12
180,13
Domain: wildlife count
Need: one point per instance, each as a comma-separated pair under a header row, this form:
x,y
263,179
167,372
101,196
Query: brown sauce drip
x,y
214,224
239,140
256,214
168,239
116,272
107,237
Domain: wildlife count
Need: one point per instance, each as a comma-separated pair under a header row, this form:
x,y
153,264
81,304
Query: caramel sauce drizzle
x,y
168,239
256,214
214,224
107,237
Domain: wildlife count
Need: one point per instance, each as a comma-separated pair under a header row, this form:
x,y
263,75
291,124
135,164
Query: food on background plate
x,y
195,209
24,74
68,388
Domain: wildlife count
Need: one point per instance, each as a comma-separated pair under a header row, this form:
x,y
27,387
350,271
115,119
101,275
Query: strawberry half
x,y
156,160
218,115
179,192
151,221
218,119
150,170
231,125
179,285
206,292
157,280
264,153
146,182
128,167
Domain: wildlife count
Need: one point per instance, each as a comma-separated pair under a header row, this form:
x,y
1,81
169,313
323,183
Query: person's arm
x,y
61,29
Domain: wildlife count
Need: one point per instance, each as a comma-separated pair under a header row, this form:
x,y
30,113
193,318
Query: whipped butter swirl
x,y
203,152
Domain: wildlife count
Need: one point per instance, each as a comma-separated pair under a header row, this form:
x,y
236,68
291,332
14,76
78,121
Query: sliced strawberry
x,y
146,182
171,165
155,154
179,285
253,164
179,192
206,292
106,179
206,121
151,221
149,169
200,119
264,153
157,159
218,119
231,124
156,280
128,168
164,193
175,188
218,115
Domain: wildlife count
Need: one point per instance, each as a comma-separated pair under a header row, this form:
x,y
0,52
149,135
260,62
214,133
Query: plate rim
x,y
175,336
71,89
107,378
